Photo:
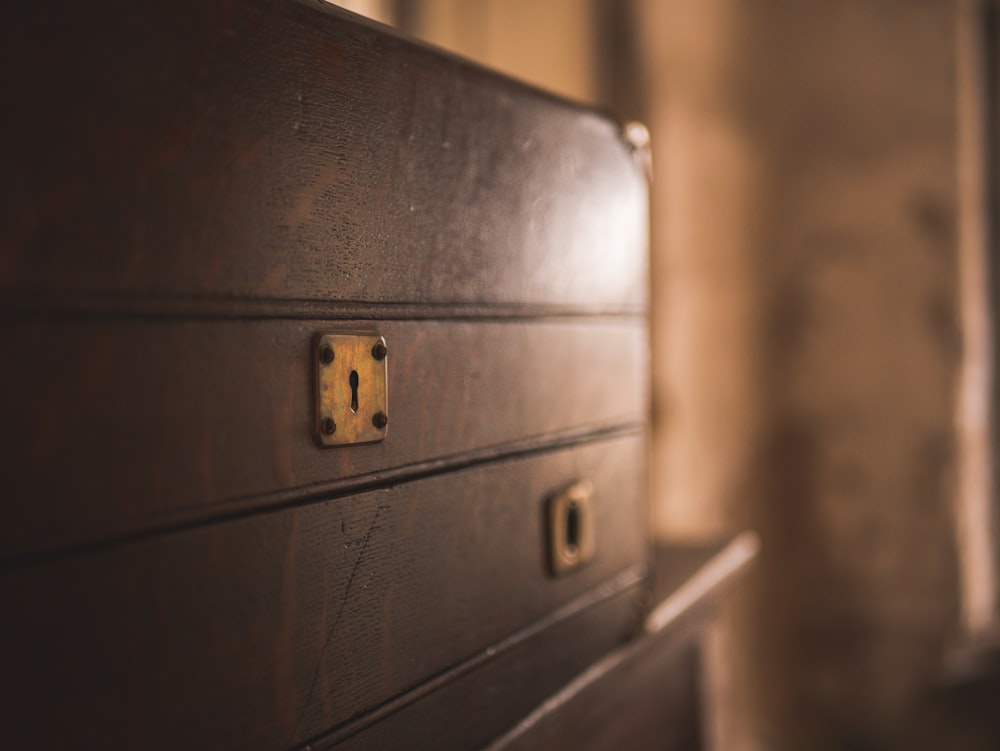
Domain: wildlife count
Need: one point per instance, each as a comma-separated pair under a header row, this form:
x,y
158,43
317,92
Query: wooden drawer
x,y
193,192
277,627
474,708
127,426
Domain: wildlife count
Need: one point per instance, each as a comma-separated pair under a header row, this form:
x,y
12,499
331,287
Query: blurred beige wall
x,y
547,43
383,11
807,347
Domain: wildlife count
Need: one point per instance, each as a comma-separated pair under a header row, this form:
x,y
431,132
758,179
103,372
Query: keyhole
x,y
572,528
354,390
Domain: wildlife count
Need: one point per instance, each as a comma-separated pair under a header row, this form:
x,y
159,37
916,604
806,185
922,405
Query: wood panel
x,y
470,711
269,149
192,191
650,701
647,693
120,426
261,632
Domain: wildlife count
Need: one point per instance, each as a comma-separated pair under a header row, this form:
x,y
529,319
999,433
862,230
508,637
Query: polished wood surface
x,y
650,702
153,425
273,150
471,710
276,627
647,693
193,191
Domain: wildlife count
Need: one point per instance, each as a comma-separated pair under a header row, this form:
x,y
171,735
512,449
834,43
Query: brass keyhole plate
x,y
352,404
571,532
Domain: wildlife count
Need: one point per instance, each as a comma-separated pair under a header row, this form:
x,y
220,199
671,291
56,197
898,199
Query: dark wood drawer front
x,y
126,426
260,632
467,713
268,149
649,702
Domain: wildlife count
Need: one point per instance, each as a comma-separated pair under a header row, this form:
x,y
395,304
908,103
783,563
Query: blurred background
x,y
821,333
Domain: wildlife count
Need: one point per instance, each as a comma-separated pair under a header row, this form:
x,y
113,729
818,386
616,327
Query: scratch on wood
x,y
333,627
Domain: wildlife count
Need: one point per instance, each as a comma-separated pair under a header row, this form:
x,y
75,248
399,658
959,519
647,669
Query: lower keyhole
x,y
572,528
354,390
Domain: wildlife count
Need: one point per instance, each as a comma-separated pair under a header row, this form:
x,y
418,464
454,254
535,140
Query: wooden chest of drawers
x,y
194,193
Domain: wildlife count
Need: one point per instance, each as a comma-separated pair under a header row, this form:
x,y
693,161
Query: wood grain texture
x,y
120,426
650,701
469,712
193,190
647,693
269,149
263,632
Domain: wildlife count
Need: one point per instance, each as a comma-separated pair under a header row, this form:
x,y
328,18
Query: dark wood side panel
x,y
282,150
124,425
646,694
262,632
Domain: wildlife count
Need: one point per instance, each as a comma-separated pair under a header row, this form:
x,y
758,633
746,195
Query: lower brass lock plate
x,y
352,403
572,536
